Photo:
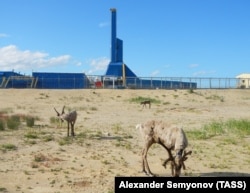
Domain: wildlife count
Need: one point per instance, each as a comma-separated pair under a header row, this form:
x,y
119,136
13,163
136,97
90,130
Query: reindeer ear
x,y
58,114
138,126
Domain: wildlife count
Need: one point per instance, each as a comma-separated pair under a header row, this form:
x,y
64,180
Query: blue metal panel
x,y
113,35
115,69
60,80
119,50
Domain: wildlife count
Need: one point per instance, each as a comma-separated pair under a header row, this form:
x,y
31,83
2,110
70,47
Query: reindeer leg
x,y
72,129
68,129
144,159
143,163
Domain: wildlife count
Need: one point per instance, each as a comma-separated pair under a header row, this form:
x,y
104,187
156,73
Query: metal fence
x,y
170,82
131,83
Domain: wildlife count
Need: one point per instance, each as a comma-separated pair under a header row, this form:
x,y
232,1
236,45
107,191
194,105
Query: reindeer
x,y
69,117
172,138
144,103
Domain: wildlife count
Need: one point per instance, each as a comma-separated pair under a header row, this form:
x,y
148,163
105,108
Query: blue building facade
x,y
44,80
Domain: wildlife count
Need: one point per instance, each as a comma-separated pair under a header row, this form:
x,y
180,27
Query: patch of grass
x,y
239,127
40,158
31,135
13,122
116,128
2,189
65,141
216,97
215,128
166,103
48,138
140,99
2,125
30,121
93,108
190,91
8,147
53,120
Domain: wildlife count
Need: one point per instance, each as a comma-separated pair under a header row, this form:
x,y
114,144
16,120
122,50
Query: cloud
x,y
12,58
98,64
204,73
193,65
154,73
167,66
2,35
103,24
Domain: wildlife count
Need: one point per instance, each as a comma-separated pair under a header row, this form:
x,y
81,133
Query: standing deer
x,y
172,138
69,117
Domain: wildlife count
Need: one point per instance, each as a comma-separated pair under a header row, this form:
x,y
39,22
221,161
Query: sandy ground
x,y
106,143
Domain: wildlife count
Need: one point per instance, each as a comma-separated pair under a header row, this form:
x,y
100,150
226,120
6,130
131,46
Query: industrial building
x,y
244,80
118,74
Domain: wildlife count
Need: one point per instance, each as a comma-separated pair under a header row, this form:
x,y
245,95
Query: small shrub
x,y
31,135
13,122
190,91
2,125
48,138
8,147
30,121
2,189
40,158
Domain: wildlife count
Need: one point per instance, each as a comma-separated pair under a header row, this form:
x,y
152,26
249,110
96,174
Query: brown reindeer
x,y
69,117
172,138
144,103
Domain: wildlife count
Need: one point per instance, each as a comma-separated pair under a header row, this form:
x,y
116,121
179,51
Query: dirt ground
x,y
42,159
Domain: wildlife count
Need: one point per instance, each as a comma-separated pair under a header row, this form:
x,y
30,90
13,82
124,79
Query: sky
x,y
161,38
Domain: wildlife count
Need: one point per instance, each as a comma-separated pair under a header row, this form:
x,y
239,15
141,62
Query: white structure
x,y
244,80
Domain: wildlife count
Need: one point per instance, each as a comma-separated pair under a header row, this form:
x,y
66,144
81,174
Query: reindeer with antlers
x,y
69,117
172,138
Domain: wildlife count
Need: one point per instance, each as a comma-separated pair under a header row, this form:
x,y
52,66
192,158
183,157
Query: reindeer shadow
x,y
109,138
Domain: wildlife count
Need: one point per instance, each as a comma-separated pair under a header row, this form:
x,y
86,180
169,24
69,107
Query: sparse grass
x,y
13,122
166,103
31,135
139,99
30,121
116,128
2,125
44,96
8,147
216,97
40,158
2,189
65,141
190,91
93,108
215,128
48,138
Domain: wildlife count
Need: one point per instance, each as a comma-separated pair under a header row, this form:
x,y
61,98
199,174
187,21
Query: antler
x,y
184,158
58,114
63,110
171,159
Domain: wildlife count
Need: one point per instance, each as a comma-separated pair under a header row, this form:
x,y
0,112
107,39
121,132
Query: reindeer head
x,y
177,162
60,115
